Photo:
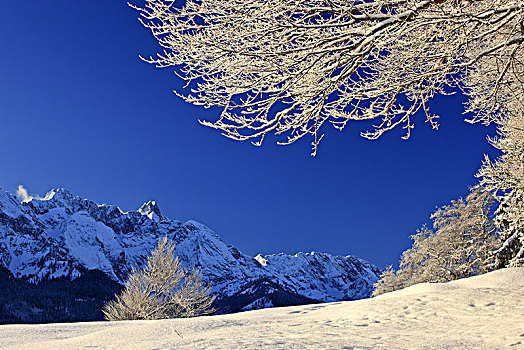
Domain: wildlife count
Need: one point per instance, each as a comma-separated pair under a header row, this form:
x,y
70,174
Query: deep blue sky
x,y
78,109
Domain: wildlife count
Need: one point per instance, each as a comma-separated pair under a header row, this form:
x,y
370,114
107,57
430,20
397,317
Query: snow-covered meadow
x,y
483,312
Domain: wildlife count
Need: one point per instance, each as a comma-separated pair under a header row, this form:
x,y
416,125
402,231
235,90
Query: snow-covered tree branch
x,y
289,66
504,178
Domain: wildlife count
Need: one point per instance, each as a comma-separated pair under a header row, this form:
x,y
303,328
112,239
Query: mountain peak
x,y
261,260
58,194
151,210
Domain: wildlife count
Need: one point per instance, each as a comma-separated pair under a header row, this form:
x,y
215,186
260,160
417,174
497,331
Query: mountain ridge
x,y
64,236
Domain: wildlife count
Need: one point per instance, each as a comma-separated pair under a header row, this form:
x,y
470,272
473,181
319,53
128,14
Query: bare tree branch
x,y
336,61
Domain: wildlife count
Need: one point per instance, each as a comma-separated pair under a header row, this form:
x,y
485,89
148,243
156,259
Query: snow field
x,y
483,312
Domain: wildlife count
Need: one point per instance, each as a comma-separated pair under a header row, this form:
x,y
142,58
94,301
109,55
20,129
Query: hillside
x,y
483,312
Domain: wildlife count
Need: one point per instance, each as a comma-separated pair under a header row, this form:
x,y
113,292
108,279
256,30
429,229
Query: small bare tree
x,y
161,289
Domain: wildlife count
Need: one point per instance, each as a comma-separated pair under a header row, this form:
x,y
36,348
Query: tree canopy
x,y
289,66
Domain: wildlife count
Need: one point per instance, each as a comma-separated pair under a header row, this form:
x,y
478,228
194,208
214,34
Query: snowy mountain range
x,y
64,237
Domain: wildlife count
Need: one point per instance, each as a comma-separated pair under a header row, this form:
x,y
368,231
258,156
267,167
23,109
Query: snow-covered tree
x,y
289,66
161,289
466,237
391,280
460,246
504,178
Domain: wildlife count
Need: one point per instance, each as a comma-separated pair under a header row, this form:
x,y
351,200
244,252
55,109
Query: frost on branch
x,y
161,289
289,66
504,178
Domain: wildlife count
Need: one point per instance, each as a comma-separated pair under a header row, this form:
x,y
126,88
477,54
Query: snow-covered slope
x,y
484,313
64,235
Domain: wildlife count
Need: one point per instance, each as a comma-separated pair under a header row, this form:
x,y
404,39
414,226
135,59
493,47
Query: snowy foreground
x,y
484,312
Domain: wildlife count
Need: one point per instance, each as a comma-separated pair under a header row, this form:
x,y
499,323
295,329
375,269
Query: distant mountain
x,y
63,245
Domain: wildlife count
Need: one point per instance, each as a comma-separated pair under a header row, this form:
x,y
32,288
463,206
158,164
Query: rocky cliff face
x,y
64,236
